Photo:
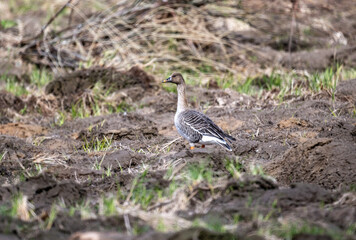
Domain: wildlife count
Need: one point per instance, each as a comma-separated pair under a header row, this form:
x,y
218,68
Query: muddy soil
x,y
308,155
126,175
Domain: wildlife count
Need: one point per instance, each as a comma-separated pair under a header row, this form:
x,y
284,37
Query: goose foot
x,y
193,147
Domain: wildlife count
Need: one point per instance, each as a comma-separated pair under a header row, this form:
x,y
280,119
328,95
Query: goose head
x,y
176,78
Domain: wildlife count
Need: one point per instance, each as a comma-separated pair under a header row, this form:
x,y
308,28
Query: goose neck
x,y
182,100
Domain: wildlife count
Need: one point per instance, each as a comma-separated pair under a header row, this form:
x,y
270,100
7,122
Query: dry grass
x,y
159,37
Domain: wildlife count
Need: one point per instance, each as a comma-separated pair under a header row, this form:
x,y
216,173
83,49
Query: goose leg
x,y
191,146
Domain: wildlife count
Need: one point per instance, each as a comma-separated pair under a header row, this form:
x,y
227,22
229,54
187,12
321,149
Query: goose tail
x,y
230,138
224,145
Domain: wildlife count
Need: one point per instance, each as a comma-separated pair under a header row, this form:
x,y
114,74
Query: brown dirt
x,y
130,126
302,145
305,145
347,91
313,60
10,102
22,130
323,160
310,153
78,81
43,190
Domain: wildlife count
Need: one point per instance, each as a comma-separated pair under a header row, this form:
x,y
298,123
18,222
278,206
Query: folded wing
x,y
203,125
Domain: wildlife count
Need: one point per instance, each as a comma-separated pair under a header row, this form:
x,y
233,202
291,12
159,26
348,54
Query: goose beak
x,y
167,80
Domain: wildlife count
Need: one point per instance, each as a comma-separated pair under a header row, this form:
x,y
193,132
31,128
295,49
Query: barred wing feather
x,y
203,125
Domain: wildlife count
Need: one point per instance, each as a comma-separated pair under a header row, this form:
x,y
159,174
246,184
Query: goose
x,y
192,125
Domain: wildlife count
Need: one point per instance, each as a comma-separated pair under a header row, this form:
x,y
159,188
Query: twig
x,y
23,168
159,205
52,18
127,224
294,7
170,143
48,23
71,13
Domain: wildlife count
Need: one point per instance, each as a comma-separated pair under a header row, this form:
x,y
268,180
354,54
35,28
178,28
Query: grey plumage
x,y
193,125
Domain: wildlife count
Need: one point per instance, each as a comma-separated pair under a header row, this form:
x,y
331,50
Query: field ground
x,y
88,148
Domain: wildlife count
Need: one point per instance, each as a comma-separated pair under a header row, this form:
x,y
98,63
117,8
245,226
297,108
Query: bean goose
x,y
193,125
